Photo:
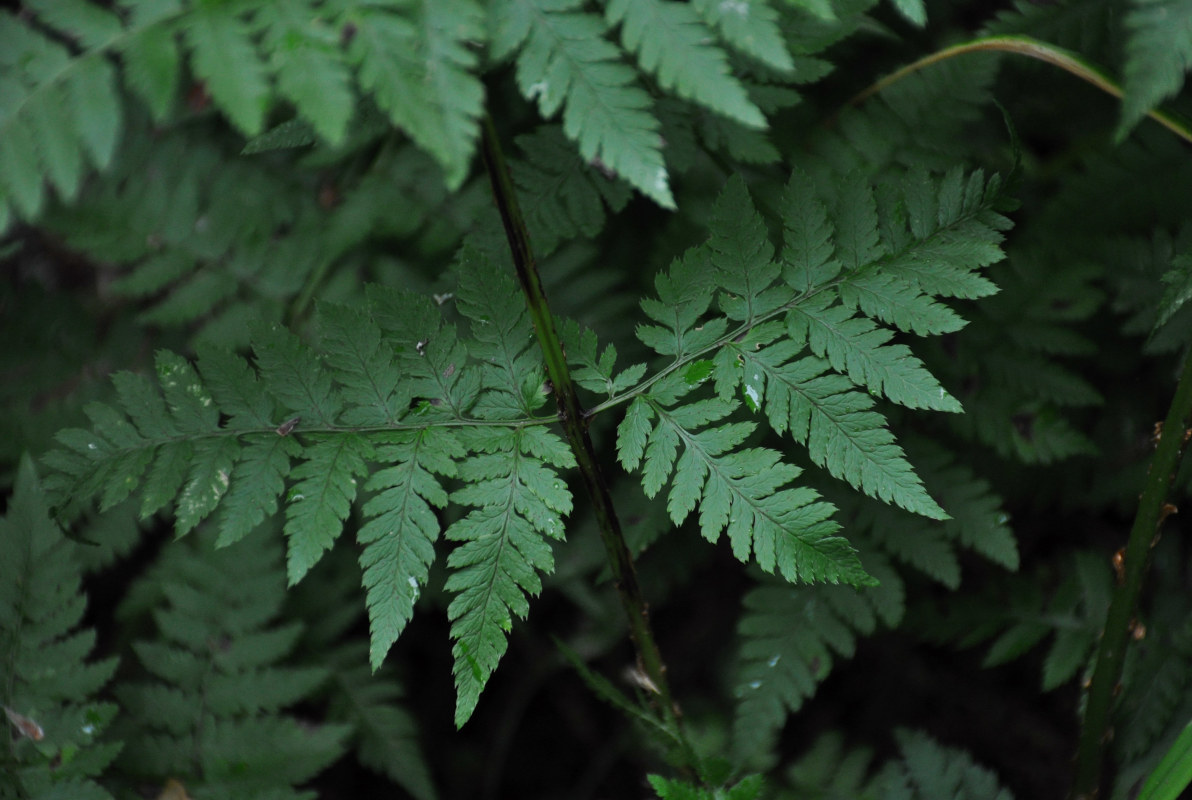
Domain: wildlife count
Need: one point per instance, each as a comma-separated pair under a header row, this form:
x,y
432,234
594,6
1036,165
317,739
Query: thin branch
x,y
575,425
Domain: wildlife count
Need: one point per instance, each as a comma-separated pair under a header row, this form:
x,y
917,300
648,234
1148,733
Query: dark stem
x,y
1097,727
575,425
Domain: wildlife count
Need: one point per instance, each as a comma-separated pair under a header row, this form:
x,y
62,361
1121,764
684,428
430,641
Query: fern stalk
x,y
1096,730
1032,48
574,420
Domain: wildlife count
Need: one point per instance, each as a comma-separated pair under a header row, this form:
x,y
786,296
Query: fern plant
x,y
421,316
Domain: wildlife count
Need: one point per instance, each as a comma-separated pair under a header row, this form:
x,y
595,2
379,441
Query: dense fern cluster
x,y
409,308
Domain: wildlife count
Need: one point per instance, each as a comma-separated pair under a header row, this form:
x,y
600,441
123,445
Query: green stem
x,y
1033,48
575,425
1096,729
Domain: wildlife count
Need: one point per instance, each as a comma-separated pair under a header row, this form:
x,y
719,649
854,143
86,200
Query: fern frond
x,y
750,27
594,372
1158,56
210,708
518,499
929,771
566,197
52,726
790,638
829,771
399,538
419,67
748,788
59,108
386,734
976,521
565,62
672,44
224,55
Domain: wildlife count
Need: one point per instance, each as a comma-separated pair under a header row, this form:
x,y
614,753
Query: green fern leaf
x,y
672,44
950,231
1158,56
891,300
565,197
856,347
152,60
837,425
913,11
57,107
306,59
931,772
322,495
399,539
751,27
790,638
52,726
256,483
386,733
518,499
741,491
295,376
210,707
743,256
417,67
224,56
684,294
363,366
565,62
511,371
593,372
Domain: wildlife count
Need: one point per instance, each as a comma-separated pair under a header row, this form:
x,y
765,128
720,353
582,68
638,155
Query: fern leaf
x,y
58,107
451,32
511,374
256,483
684,294
790,638
322,495
363,366
399,539
565,62
743,256
856,347
672,44
210,707
837,424
750,27
1158,56
950,231
565,196
46,686
152,63
518,499
594,372
929,771
891,300
386,734
224,55
742,491
418,67
295,376
306,58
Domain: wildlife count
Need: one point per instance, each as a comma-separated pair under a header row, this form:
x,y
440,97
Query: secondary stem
x,y
575,423
1096,729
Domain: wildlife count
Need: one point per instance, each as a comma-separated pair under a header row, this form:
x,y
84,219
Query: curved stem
x,y
1096,729
575,425
1033,48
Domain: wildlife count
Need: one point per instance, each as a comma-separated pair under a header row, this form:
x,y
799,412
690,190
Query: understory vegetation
x,y
628,398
